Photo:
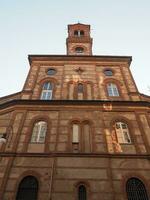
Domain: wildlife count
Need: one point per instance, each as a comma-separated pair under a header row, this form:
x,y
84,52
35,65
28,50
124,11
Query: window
x,y
39,132
79,49
51,71
122,133
81,33
81,137
108,72
82,194
78,33
80,90
136,190
112,90
75,137
75,33
47,91
28,189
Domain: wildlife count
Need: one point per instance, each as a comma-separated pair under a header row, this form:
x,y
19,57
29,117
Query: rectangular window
x,y
46,95
122,133
75,136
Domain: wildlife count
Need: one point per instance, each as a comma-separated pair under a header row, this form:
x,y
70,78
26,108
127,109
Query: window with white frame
x,y
39,132
112,90
122,133
47,91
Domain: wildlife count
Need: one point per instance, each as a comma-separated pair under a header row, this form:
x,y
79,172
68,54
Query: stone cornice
x,y
106,104
100,58
67,154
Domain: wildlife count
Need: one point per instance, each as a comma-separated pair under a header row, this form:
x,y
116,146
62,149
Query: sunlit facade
x,y
78,130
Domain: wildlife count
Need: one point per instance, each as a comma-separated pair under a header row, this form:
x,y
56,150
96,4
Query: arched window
x,y
80,90
28,189
81,33
47,91
136,190
82,193
39,132
112,90
122,133
78,33
79,50
75,137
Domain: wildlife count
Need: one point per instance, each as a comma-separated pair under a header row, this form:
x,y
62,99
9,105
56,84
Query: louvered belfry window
x,y
82,193
28,189
136,190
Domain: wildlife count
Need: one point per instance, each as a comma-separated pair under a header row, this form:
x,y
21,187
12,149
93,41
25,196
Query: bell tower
x,y
79,41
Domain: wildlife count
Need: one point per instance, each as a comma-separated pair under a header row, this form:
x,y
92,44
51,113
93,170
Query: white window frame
x,y
38,132
47,93
122,134
112,90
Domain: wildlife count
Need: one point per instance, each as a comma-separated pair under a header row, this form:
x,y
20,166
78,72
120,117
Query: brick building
x,y
79,129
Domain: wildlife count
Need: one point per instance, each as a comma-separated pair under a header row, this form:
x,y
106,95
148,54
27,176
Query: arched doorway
x,y
28,189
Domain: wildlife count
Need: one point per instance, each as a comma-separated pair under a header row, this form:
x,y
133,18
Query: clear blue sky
x,y
119,27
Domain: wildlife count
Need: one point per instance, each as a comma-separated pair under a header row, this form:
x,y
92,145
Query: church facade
x,y
78,130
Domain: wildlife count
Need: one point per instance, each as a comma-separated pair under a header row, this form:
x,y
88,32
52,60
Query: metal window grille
x,y
82,193
136,190
28,189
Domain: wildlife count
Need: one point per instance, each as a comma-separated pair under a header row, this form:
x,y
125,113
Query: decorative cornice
x,y
106,104
101,58
67,154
